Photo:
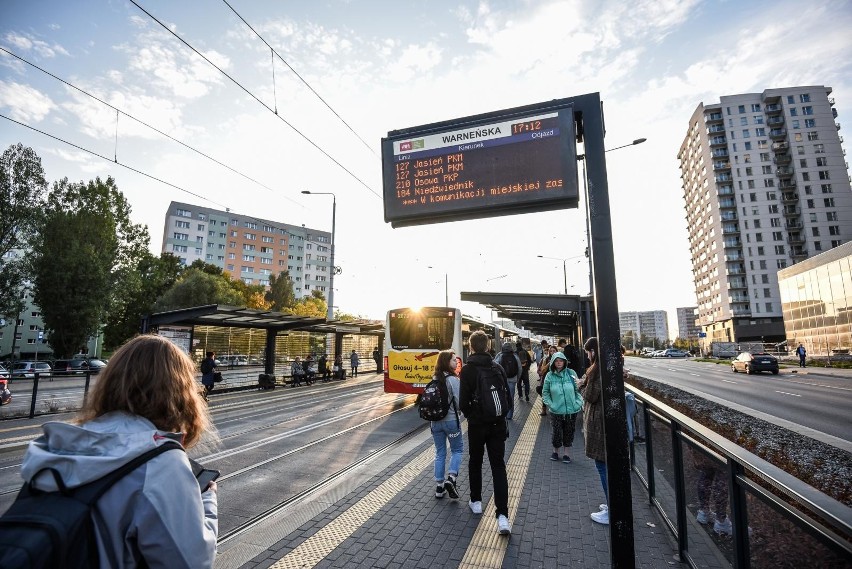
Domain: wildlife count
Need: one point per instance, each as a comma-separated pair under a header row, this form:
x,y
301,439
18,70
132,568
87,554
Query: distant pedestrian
x,y
561,395
208,371
593,423
337,371
537,350
322,368
310,370
486,432
711,485
511,364
297,372
802,353
543,366
448,429
377,357
524,381
354,361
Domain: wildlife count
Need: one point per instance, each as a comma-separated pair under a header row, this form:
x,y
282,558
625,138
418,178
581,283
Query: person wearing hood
x,y
562,397
511,364
155,516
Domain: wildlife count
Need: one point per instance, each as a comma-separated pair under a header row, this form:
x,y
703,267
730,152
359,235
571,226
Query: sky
x,y
356,70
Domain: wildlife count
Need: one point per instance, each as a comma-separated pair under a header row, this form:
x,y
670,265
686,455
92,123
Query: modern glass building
x,y
816,299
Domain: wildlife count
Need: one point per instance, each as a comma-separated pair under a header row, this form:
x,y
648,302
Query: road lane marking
x,y
695,374
729,381
785,393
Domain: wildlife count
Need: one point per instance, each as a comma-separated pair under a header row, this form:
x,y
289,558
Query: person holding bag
x,y
561,395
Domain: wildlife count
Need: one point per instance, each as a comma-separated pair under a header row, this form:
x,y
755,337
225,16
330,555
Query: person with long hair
x,y
543,368
561,395
593,423
448,429
156,516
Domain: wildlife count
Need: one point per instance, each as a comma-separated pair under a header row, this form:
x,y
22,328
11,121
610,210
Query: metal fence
x,y
729,508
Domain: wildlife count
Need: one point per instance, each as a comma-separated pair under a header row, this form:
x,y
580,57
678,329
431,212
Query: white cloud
x,y
25,103
28,43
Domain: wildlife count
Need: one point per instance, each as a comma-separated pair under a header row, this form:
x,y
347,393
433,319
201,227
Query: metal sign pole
x,y
609,341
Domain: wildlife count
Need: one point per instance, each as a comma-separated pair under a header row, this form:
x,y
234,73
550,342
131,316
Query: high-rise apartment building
x,y
765,185
653,324
686,326
249,248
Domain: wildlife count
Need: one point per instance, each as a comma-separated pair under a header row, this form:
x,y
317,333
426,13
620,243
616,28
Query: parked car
x,y
672,353
70,367
4,373
752,363
658,353
29,369
96,365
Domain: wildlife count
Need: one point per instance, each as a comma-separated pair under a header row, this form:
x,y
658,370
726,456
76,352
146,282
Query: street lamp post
x,y
564,270
330,314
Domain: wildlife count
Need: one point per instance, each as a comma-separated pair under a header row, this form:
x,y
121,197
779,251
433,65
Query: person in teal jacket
x,y
561,396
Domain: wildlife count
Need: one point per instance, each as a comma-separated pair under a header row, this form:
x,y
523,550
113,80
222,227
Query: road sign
x,y
702,334
40,335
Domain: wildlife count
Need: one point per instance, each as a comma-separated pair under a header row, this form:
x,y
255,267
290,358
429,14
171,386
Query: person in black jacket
x,y
484,434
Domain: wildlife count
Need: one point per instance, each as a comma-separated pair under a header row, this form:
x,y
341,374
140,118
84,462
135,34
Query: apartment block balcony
x,y
793,224
738,298
721,165
732,243
724,178
729,216
780,147
795,239
775,121
716,128
718,141
713,117
837,124
788,184
831,101
784,171
735,256
727,203
741,311
784,158
725,190
737,284
799,253
773,109
736,271
730,229
792,211
833,112
720,153
778,133
789,197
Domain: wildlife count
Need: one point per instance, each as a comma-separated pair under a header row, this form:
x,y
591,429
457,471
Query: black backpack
x,y
509,364
491,398
207,365
56,529
435,400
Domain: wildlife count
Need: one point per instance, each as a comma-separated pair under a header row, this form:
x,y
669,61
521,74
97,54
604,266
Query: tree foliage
x,y
254,296
197,288
313,305
22,190
83,260
281,295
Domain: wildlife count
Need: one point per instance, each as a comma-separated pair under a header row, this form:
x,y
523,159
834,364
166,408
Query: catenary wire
x,y
302,79
155,129
140,172
253,96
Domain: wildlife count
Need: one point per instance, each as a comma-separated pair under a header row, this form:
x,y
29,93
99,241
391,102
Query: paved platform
x,y
387,516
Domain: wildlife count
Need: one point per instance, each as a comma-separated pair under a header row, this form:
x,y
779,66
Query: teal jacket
x,y
560,392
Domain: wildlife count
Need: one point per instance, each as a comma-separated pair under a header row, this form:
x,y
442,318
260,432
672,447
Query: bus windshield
x,y
424,329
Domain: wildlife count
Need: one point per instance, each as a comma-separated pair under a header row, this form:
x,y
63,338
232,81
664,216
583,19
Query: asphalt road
x,y
820,402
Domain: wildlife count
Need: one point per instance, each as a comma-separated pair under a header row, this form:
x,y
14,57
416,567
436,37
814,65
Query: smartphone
x,y
205,477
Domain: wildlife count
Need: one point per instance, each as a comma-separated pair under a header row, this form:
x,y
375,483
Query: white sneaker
x,y
601,517
503,525
603,507
701,517
723,527
475,507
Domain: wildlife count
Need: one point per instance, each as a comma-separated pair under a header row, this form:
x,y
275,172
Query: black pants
x,y
524,384
490,437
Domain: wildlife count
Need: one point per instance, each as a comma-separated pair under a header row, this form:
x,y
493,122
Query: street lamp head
x,y
306,191
639,141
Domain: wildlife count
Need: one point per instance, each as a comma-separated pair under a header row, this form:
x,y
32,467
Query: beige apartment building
x,y
249,248
765,185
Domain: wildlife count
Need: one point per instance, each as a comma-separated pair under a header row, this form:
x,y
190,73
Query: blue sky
x,y
389,65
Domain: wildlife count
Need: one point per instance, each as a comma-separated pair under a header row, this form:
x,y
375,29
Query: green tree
x,y
197,288
22,190
83,259
281,294
253,295
152,277
313,305
206,267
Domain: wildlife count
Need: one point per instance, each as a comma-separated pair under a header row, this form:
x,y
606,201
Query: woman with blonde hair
x,y
155,516
448,429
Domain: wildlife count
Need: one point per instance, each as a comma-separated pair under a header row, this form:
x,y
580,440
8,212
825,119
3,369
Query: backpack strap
x,y
453,402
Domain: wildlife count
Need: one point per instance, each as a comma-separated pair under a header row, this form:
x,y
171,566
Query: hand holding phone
x,y
205,477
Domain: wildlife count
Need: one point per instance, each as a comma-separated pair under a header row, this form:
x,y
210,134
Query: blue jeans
x,y
442,431
511,412
601,466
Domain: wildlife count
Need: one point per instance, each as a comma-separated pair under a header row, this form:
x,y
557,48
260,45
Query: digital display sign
x,y
513,161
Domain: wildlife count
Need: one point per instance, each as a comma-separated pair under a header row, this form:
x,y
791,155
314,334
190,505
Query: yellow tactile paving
x,y
487,547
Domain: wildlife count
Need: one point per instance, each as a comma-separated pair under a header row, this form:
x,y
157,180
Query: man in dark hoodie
x,y
485,433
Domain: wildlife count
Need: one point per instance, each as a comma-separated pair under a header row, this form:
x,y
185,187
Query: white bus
x,y
414,336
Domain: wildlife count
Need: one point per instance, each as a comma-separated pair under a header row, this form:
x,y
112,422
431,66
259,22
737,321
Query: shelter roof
x,y
543,314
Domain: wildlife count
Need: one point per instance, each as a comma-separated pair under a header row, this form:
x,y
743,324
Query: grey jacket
x,y
155,513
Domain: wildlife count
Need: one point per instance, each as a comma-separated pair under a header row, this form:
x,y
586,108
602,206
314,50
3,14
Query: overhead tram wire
x,y
253,96
302,79
155,129
137,171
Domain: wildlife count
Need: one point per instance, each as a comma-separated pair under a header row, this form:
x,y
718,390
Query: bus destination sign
x,y
485,166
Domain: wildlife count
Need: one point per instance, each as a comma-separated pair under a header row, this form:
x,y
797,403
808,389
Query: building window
x,y
250,225
758,237
769,307
764,278
813,135
810,123
810,204
775,222
179,248
746,144
232,255
819,148
755,107
760,131
267,239
741,109
834,230
746,133
777,236
807,110
781,264
815,231
826,188
805,98
794,112
773,208
248,247
183,213
180,237
248,258
232,244
181,224
743,121
779,250
835,243
201,227
769,183
251,236
795,123
246,269
766,169
758,119
831,216
790,100
798,138
752,197
824,175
